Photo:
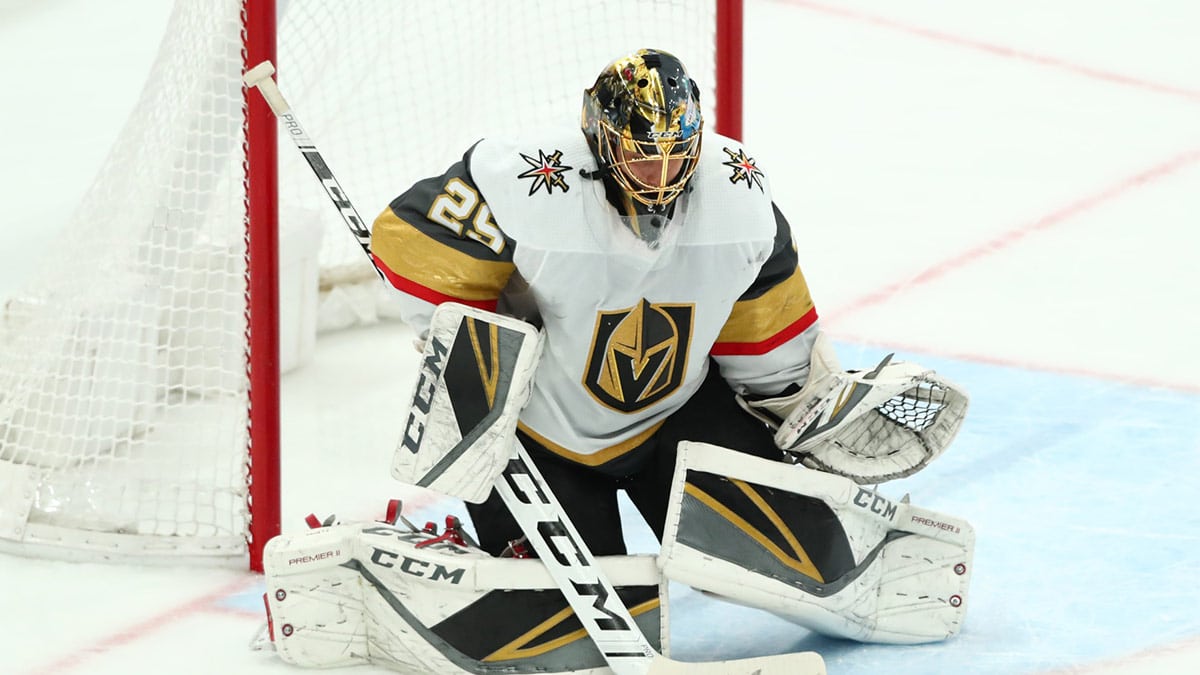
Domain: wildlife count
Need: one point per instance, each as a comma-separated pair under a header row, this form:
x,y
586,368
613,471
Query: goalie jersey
x,y
524,228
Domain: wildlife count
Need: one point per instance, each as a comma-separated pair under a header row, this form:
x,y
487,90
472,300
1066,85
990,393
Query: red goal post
x,y
139,394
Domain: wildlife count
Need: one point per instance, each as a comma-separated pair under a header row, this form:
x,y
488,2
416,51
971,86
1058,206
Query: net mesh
x,y
123,387
387,109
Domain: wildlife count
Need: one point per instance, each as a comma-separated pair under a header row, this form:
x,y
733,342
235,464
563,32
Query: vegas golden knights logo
x,y
639,355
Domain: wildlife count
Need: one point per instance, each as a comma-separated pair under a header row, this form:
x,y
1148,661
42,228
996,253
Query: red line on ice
x,y
1008,239
140,630
205,603
999,50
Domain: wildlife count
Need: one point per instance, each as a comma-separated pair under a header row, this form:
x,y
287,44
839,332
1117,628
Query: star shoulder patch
x,y
744,169
547,171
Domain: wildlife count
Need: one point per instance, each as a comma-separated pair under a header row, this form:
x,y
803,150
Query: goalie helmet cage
x,y
139,370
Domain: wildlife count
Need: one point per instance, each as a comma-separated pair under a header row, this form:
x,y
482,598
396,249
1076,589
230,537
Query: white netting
x,y
387,104
122,365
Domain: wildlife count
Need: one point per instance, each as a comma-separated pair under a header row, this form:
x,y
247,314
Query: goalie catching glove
x,y
868,426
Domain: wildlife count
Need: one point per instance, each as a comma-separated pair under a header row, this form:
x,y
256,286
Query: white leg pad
x,y
816,549
365,593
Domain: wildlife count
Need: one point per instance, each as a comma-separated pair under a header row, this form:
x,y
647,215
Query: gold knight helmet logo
x,y
639,355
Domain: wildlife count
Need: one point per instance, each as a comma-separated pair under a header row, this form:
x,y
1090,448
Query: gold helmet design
x,y
643,122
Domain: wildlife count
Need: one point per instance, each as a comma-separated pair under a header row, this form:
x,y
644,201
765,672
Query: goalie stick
x,y
259,77
592,596
537,511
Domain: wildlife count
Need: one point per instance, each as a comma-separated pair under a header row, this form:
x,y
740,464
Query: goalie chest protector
x,y
629,326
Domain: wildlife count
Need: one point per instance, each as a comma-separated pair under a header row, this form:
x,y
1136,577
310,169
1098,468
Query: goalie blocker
x,y
476,375
815,549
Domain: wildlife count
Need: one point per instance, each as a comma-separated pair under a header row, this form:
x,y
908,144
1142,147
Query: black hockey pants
x,y
589,495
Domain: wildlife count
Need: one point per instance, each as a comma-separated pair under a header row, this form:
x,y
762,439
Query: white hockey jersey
x,y
525,226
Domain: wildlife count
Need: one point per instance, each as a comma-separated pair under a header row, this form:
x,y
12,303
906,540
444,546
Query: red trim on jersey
x,y
428,294
762,347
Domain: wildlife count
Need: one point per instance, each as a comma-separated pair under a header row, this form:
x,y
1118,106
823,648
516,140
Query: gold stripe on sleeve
x,y
437,265
761,318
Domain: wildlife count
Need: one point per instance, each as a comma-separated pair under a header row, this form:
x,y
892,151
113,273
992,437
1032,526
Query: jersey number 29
x,y
460,209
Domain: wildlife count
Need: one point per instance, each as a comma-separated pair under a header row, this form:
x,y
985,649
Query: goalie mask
x,y
643,123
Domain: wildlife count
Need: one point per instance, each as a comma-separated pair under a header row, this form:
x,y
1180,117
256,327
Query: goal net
x,y
126,428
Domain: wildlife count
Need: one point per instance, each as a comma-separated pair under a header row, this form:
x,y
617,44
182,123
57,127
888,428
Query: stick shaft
x,y
259,77
522,487
572,566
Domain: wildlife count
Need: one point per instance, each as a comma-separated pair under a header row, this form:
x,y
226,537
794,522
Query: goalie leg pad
x,y
815,549
366,593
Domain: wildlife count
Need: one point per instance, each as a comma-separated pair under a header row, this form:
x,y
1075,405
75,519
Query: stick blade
x,y
798,663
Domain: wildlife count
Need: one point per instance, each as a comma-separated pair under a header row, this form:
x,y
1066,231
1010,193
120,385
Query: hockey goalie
x,y
622,309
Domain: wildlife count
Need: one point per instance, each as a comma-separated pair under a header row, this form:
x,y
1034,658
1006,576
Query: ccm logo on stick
x,y
564,547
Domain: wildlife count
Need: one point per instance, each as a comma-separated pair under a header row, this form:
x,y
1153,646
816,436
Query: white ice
x,y
1006,191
